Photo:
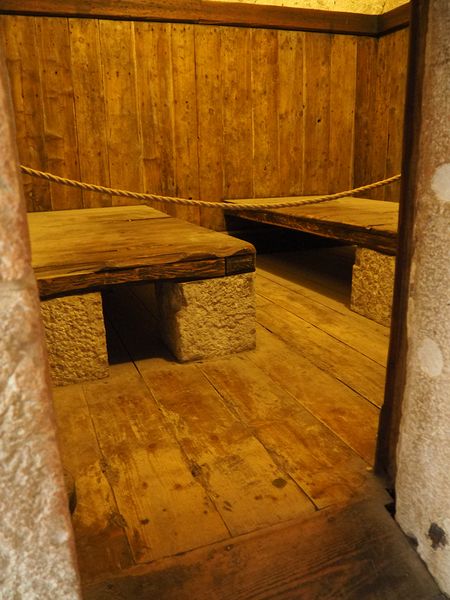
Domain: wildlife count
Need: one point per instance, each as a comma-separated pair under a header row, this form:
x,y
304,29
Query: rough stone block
x,y
37,554
373,285
208,318
75,336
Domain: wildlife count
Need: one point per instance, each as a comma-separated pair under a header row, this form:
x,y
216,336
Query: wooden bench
x,y
204,283
370,224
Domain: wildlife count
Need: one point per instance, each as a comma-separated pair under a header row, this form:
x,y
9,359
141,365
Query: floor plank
x,y
249,490
350,553
216,479
324,276
102,544
343,411
341,327
322,465
153,484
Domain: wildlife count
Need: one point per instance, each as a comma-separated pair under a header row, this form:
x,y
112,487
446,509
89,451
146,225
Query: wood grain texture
x,y
398,18
19,42
266,149
185,119
90,109
386,459
154,487
368,223
149,81
82,249
100,531
342,112
355,552
397,45
298,442
380,115
317,114
237,112
60,131
201,11
341,409
380,98
291,128
123,118
203,111
208,74
222,451
337,325
359,373
156,102
366,79
248,432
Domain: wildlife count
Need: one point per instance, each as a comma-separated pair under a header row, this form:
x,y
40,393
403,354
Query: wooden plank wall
x,y
380,98
201,111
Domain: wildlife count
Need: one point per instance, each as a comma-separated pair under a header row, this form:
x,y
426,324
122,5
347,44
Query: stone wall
x,y
37,559
423,478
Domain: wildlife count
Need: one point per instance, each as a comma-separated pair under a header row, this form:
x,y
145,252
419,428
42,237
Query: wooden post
x,y
395,378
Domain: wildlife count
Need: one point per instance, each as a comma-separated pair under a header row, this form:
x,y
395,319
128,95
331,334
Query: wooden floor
x,y
244,477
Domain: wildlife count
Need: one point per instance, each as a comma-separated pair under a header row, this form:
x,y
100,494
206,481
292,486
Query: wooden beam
x,y
201,12
395,19
396,370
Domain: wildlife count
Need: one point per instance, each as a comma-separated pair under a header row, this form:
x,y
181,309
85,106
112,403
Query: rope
x,y
189,202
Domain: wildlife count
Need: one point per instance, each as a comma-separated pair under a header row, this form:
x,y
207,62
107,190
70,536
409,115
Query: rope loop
x,y
229,207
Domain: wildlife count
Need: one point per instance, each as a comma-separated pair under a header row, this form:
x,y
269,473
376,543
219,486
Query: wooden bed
x,y
204,280
371,225
366,223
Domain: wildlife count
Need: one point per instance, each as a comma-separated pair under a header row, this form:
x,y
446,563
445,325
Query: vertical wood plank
x,y
365,108
237,112
185,121
342,112
202,112
380,115
148,89
317,113
60,133
210,122
166,510
290,111
265,108
398,53
99,527
119,79
89,108
155,100
19,43
228,457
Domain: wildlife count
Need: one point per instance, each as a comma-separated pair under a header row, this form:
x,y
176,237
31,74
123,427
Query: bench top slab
x,y
91,248
368,223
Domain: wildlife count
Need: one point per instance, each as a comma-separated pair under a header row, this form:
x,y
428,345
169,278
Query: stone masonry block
x,y
208,318
373,284
75,335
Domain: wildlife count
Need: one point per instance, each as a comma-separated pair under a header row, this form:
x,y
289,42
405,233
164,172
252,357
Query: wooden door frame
x,y
391,412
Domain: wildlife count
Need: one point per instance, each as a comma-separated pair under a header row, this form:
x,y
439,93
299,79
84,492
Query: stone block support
x,y
75,336
208,318
373,285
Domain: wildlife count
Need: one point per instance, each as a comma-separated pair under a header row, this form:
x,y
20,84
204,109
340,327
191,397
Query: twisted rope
x,y
234,207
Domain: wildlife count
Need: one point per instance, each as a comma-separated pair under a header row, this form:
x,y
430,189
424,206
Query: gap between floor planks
x,y
244,452
355,552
